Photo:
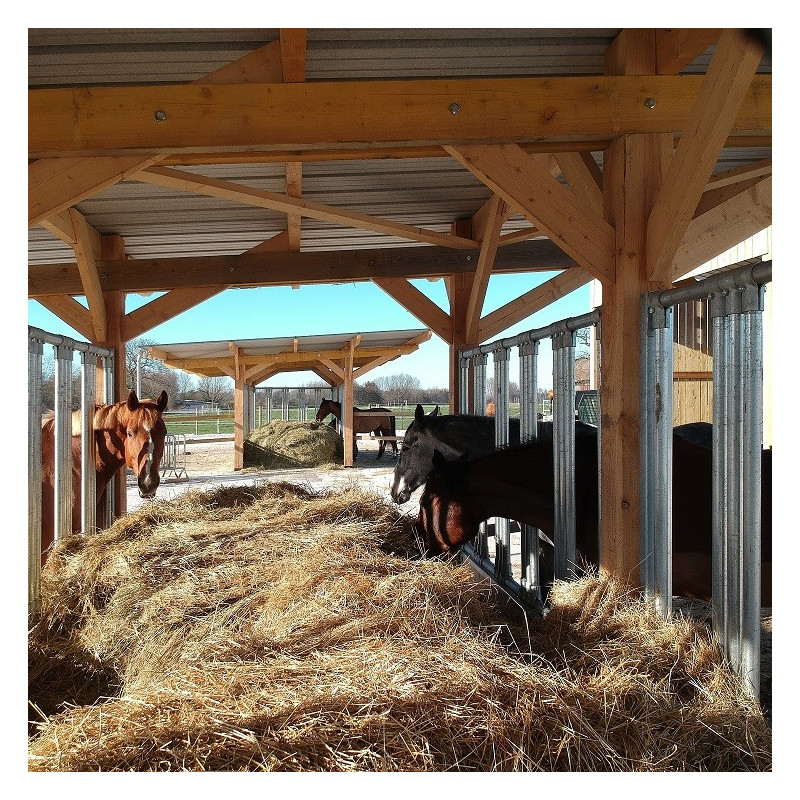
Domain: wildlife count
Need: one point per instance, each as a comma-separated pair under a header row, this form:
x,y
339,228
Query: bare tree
x,y
214,390
400,387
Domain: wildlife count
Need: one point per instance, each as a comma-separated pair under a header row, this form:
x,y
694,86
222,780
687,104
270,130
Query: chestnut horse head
x,y
133,431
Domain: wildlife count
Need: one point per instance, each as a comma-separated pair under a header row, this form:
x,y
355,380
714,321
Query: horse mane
x,y
116,415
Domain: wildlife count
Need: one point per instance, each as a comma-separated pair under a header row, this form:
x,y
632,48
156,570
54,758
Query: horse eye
x,y
130,434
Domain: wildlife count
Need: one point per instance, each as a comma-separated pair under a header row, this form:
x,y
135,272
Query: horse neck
x,y
516,484
472,434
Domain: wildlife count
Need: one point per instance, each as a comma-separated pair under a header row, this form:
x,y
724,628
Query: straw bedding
x,y
276,628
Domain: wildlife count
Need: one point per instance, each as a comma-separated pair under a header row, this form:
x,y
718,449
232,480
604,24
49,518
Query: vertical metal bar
x,y
662,468
719,495
302,404
752,368
530,578
35,349
733,459
463,386
109,396
564,452
646,446
63,442
502,535
269,405
88,466
479,398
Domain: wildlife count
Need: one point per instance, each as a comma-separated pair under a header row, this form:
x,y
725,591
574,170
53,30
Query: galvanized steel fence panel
x,y
472,367
64,352
737,302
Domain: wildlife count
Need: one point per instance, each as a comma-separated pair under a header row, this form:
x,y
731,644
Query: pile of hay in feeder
x,y
275,628
282,444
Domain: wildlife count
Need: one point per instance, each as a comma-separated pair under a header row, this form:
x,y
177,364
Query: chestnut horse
x,y
130,433
517,483
379,421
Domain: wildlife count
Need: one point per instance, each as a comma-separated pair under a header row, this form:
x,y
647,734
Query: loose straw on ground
x,y
275,628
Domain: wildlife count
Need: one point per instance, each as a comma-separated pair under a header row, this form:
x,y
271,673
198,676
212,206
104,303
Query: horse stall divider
x,y
737,303
528,589
64,352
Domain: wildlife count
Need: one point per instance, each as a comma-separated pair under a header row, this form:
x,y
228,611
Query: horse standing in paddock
x,y
378,421
452,435
130,432
517,483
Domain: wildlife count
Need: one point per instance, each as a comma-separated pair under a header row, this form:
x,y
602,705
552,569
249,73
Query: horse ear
x,y
162,401
435,412
419,413
133,401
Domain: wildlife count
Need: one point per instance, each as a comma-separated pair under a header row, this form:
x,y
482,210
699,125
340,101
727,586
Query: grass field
x,y
205,424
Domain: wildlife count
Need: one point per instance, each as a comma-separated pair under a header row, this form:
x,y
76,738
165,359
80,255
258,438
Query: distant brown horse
x,y
379,421
130,432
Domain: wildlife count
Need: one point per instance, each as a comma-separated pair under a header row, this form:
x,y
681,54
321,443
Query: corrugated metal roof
x,y
155,222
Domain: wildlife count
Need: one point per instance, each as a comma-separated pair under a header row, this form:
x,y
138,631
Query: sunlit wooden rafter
x,y
728,80
108,121
248,195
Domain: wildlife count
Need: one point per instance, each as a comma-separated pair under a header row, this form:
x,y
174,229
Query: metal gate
x,y
527,585
737,303
64,350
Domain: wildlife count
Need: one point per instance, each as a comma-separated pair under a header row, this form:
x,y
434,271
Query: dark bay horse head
x,y
329,407
414,463
133,431
452,435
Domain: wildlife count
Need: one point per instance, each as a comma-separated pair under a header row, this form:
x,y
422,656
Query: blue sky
x,y
343,308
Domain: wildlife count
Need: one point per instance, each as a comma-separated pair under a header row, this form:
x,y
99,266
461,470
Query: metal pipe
x,y
35,349
88,467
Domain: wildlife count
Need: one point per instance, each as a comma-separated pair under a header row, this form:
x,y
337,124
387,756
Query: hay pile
x,y
285,445
274,628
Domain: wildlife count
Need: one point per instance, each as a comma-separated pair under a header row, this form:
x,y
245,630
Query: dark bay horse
x,y
517,482
452,435
379,421
129,433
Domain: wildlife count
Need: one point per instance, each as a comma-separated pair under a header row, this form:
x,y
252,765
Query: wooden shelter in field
x,y
183,162
339,359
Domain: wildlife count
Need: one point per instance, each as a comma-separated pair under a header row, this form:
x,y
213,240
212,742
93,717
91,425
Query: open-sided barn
x,y
187,161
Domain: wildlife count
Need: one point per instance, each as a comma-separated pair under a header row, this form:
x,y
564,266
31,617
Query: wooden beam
x,y
259,66
87,249
58,183
260,198
416,303
268,268
319,154
164,308
60,225
71,311
483,269
530,302
584,178
676,48
522,183
728,79
723,227
293,54
184,118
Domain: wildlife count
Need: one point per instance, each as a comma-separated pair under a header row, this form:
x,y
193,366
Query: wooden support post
x,y
632,173
347,407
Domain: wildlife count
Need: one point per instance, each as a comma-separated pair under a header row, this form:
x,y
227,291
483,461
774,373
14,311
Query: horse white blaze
x,y
148,461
